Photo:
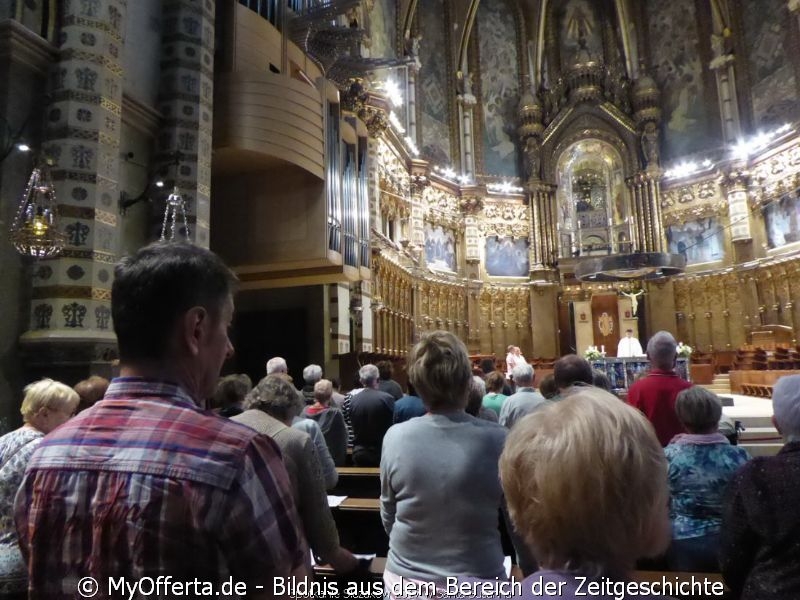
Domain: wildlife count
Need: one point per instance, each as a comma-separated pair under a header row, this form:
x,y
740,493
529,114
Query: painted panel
x,y
432,83
383,28
774,87
142,55
782,218
674,36
507,257
579,34
499,86
699,241
440,248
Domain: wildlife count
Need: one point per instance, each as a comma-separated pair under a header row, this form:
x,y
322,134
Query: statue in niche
x,y
722,43
465,83
532,157
412,49
650,144
579,27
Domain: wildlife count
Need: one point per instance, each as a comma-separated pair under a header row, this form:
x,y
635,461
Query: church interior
x,y
539,173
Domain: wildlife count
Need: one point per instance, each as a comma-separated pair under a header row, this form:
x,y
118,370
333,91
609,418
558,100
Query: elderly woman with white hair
x,y
760,536
586,484
701,465
46,405
440,490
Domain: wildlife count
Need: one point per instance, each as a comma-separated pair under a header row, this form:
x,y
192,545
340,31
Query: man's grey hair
x,y
522,374
312,374
277,365
786,406
480,384
368,375
661,350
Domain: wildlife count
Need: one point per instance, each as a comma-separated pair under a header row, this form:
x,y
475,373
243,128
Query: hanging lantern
x,y
175,204
35,229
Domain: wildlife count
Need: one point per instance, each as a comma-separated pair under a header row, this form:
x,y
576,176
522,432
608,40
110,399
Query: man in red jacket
x,y
655,394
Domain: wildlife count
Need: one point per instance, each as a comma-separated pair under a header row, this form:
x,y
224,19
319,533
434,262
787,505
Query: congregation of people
x,y
170,469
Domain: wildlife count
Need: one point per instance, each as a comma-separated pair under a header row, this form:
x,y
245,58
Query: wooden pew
x,y
358,521
361,482
757,383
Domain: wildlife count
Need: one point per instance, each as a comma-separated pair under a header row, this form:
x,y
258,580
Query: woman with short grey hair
x,y
701,464
270,408
445,458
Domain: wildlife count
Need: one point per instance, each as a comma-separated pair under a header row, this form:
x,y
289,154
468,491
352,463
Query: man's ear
x,y
195,321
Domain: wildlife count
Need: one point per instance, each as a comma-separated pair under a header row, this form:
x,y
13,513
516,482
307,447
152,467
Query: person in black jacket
x,y
760,536
370,413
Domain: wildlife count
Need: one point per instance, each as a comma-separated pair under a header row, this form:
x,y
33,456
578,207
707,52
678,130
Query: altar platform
x,y
622,372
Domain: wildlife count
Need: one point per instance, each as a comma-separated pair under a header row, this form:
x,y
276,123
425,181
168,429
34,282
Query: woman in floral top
x,y
701,465
47,404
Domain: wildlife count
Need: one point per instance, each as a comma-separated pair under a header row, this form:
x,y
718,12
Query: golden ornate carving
x,y
704,190
716,209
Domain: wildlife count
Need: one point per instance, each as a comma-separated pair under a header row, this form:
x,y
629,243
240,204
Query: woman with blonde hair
x,y
586,484
440,490
46,405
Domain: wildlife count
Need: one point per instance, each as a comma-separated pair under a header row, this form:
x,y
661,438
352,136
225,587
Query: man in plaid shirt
x,y
145,483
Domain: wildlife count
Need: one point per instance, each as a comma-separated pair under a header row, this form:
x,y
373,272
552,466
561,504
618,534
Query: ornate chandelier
x,y
35,229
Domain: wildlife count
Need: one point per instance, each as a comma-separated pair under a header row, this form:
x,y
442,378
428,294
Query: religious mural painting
x,y
432,83
507,257
674,32
699,241
499,86
782,217
440,248
774,86
383,29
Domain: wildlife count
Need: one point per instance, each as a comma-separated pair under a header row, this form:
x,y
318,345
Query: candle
x,y
602,348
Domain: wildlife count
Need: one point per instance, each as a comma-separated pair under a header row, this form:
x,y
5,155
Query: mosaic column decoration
x,y
186,100
71,296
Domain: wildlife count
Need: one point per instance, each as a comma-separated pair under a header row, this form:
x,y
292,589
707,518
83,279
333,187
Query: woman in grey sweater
x,y
440,488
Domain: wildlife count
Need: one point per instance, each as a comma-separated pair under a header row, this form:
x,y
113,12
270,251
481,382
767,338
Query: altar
x,y
622,372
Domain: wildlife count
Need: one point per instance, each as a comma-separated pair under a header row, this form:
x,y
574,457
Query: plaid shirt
x,y
146,484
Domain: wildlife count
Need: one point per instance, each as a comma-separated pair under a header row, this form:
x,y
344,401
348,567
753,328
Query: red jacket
x,y
654,395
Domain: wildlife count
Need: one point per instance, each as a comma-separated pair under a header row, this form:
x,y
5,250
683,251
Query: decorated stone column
x,y
413,71
70,302
735,185
466,104
419,181
186,100
723,64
